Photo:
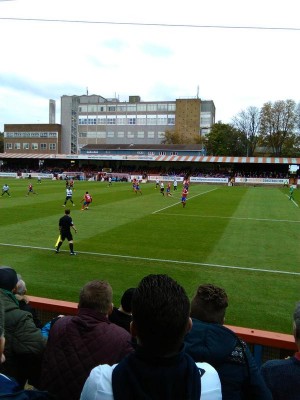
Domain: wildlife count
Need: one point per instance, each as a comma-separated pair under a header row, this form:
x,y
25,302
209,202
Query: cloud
x,y
155,50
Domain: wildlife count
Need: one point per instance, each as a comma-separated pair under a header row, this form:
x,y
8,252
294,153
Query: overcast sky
x,y
236,68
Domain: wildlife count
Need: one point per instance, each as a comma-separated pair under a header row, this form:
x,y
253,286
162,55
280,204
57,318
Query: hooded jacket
x,y
231,357
75,346
24,343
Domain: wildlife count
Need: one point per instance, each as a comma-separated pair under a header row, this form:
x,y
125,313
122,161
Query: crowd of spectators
x,y
145,170
155,345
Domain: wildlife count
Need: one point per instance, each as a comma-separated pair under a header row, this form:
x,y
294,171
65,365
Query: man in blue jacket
x,y
210,341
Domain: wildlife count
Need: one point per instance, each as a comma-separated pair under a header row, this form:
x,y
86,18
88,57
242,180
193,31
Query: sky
x,y
158,50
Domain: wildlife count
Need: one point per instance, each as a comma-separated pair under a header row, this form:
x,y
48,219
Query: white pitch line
x,y
238,218
158,260
174,204
293,201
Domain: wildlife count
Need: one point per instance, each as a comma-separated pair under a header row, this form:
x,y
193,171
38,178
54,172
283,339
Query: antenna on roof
x,y
87,91
198,92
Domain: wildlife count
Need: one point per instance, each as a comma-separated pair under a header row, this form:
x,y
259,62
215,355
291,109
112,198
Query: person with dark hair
x,y
159,368
210,341
77,344
86,201
5,190
65,224
283,376
25,344
122,316
69,196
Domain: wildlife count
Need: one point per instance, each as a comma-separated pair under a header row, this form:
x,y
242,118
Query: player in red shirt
x,y
184,194
30,189
87,199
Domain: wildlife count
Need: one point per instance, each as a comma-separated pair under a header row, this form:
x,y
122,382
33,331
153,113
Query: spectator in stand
x,y
283,376
159,368
23,300
76,344
122,316
25,344
210,341
9,388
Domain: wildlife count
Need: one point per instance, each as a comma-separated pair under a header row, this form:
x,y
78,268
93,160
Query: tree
x,y
174,137
248,122
277,125
225,140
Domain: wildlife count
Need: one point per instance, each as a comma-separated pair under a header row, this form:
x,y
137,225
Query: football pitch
x,y
244,239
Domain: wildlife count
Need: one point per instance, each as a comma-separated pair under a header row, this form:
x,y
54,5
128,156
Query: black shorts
x,y
66,235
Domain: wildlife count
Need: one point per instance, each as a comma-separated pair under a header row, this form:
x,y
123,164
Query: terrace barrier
x,y
264,345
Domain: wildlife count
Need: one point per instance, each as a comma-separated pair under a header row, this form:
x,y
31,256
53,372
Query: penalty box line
x,y
198,264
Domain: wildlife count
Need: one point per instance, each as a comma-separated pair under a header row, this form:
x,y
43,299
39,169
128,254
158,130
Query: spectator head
x,y
21,286
96,295
8,278
296,324
209,304
160,311
126,300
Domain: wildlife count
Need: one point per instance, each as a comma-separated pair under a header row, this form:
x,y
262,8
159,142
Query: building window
x,y
141,107
111,108
162,107
172,107
34,146
25,146
102,120
121,108
141,135
131,121
150,135
151,153
171,120
141,120
111,121
121,120
130,135
151,107
151,120
82,134
101,108
17,146
52,146
43,146
121,134
131,107
162,153
161,135
174,153
8,146
110,134
162,120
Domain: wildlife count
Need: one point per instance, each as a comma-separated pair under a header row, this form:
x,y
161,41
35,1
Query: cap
x,y
8,278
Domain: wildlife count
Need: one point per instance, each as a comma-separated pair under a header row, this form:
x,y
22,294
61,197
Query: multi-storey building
x,y
32,138
94,119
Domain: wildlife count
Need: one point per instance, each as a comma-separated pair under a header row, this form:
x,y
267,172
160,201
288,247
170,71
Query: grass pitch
x,y
244,239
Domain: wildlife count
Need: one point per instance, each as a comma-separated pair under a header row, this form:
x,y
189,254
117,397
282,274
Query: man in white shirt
x,y
159,368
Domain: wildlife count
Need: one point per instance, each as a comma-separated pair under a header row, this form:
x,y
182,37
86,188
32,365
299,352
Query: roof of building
x,y
149,147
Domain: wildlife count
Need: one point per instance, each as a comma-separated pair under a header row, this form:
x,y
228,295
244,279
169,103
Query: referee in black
x,y
65,224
